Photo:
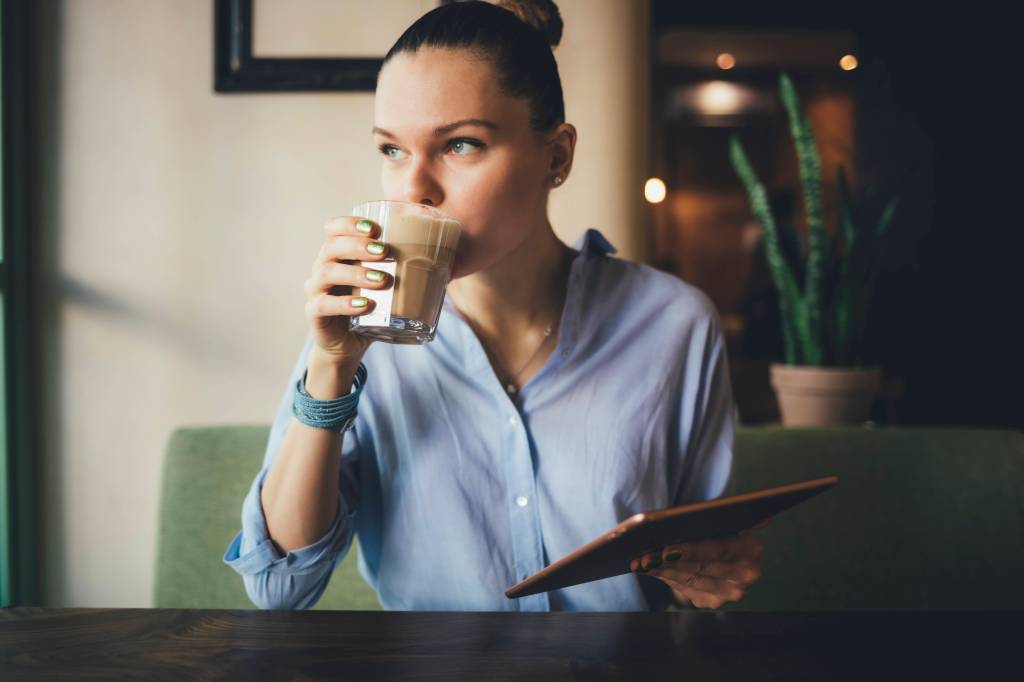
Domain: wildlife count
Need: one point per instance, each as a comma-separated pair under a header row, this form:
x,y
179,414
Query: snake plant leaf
x,y
858,321
841,321
790,302
869,282
883,227
841,308
887,214
793,251
810,175
817,330
846,225
867,260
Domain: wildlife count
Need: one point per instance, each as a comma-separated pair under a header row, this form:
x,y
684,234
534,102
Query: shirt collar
x,y
591,245
593,242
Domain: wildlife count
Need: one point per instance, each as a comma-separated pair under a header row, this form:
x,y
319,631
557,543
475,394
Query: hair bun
x,y
542,15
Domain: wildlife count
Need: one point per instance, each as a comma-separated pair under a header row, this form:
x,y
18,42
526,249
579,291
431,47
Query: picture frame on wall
x,y
237,69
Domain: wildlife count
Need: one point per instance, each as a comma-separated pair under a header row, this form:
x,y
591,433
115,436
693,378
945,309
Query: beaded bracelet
x,y
336,414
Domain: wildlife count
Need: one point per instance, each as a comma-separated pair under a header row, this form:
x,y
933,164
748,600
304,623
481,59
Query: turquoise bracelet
x,y
336,414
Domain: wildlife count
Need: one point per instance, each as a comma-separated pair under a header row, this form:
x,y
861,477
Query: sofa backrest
x,y
922,519
206,474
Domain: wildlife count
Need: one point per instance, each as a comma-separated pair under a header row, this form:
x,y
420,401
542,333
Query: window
x,y
18,564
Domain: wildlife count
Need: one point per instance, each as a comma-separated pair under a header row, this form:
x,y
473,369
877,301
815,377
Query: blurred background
x,y
911,103
157,232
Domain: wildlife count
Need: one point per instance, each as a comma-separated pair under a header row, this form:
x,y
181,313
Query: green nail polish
x,y
364,226
359,302
376,248
375,275
674,556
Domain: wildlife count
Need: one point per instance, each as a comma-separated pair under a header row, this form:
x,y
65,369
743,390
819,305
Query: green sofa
x,y
922,519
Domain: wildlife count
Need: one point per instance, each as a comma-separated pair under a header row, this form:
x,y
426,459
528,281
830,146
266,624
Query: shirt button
x,y
521,501
512,420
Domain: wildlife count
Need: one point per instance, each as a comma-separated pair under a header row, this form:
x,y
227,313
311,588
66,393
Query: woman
x,y
565,390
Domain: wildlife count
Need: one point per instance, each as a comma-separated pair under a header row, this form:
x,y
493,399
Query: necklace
x,y
510,386
510,383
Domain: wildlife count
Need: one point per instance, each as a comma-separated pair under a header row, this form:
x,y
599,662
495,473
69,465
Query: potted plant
x,y
824,295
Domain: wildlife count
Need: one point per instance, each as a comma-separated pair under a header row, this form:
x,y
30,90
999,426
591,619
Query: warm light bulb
x,y
848,62
720,97
726,61
654,190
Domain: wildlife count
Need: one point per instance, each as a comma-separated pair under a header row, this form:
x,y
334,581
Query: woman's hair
x,y
516,36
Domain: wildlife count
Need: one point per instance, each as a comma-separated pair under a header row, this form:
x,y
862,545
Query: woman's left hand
x,y
707,573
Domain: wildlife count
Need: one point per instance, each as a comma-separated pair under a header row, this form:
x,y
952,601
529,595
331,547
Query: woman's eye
x,y
388,151
465,147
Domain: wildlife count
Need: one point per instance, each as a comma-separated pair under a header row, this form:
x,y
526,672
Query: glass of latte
x,y
421,243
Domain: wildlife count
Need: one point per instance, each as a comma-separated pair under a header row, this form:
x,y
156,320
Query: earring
x,y
557,180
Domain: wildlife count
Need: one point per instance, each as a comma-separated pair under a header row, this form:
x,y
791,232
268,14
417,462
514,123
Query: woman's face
x,y
451,139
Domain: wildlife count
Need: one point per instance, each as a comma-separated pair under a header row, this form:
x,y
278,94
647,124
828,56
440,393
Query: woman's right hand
x,y
329,290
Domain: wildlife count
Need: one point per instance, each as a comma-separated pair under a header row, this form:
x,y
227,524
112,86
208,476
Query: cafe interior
x,y
838,179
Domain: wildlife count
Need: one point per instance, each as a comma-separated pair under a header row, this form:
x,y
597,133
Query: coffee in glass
x,y
421,243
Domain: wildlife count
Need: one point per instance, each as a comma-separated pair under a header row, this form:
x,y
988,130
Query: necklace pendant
x,y
511,389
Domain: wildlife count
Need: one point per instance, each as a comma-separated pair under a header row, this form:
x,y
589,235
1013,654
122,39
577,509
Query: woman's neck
x,y
518,295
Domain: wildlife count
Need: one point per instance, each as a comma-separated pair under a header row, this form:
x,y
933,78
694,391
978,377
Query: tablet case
x,y
609,555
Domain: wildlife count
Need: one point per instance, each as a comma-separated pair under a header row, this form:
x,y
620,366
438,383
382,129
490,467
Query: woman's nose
x,y
421,186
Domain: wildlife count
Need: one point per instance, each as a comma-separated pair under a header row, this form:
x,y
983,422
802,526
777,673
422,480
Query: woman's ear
x,y
561,145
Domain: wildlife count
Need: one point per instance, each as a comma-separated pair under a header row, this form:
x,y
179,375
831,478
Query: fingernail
x,y
364,226
376,248
375,275
359,302
673,556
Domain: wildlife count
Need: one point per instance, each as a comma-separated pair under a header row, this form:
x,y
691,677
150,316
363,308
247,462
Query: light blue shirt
x,y
458,491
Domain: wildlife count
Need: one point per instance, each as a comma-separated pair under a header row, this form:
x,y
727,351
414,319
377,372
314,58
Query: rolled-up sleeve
x,y
297,579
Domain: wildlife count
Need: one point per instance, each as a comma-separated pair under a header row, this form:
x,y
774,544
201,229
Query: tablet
x,y
609,555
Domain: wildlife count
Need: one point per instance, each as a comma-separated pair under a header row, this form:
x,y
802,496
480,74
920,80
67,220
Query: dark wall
x,y
949,310
939,120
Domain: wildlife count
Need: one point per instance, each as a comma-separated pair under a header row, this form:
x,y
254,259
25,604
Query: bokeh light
x,y
654,190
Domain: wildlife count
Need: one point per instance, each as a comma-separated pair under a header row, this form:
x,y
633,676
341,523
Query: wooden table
x,y
180,645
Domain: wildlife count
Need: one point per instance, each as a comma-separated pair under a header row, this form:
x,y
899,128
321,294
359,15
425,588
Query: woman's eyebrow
x,y
447,128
